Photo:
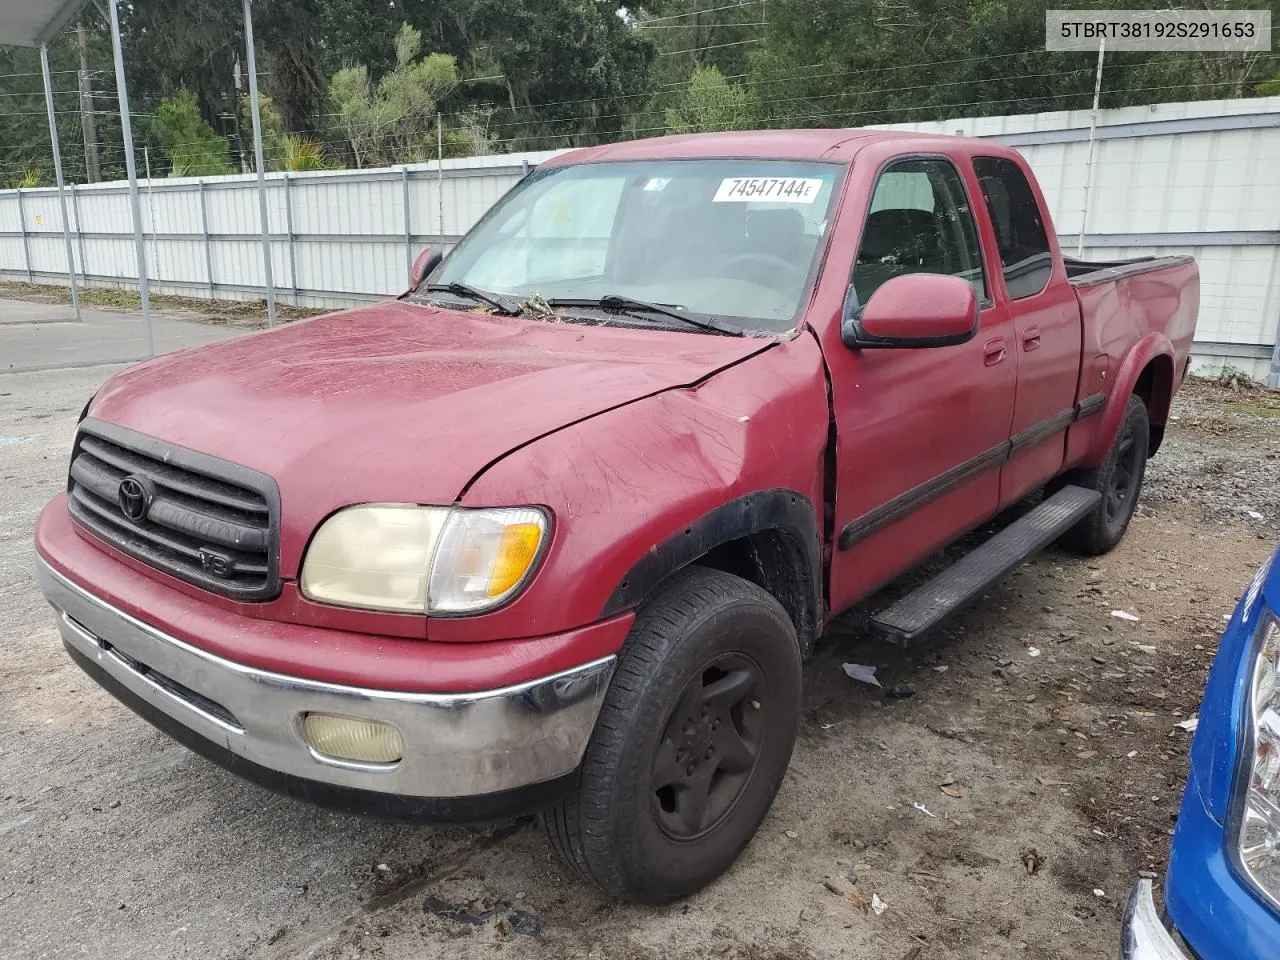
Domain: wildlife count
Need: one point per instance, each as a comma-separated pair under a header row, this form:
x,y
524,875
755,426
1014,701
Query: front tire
x,y
1119,479
691,744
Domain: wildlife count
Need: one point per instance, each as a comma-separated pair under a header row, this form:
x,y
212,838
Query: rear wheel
x,y
691,745
1119,479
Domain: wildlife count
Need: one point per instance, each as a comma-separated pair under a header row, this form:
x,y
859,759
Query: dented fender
x,y
1150,347
623,485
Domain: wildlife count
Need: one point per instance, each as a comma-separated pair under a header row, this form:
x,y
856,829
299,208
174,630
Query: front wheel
x,y
691,744
1119,479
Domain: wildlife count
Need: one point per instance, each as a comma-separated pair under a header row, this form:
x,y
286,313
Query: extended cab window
x,y
1019,226
920,222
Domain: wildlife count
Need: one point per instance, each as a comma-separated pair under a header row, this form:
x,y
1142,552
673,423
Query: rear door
x,y
920,434
1046,325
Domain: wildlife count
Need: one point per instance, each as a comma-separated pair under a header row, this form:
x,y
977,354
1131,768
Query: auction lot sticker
x,y
768,190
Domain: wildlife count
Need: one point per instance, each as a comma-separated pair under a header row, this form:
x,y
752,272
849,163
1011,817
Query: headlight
x,y
1259,836
412,559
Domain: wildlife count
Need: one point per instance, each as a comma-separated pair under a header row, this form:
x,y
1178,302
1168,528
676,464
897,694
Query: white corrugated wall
x,y
338,236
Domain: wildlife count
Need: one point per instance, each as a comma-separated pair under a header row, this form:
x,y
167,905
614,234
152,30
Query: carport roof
x,y
29,23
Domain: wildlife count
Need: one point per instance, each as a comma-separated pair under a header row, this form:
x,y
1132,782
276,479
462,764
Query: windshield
x,y
729,238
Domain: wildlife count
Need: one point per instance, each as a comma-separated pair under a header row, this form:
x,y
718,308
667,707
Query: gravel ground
x,y
1003,811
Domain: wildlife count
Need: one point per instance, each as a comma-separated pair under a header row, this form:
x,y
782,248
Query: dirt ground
x,y
1002,811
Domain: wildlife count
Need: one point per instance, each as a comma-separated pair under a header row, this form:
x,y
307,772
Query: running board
x,y
929,604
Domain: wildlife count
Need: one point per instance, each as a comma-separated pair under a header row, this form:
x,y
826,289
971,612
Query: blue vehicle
x,y
1222,891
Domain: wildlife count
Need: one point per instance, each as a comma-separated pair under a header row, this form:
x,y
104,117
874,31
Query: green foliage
x,y
390,121
1268,88
194,148
300,153
29,179
711,103
574,72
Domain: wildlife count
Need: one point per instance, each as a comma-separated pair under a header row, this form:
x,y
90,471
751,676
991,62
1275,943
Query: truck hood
x,y
395,402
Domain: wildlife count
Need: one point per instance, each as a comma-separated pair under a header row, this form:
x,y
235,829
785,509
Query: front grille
x,y
212,523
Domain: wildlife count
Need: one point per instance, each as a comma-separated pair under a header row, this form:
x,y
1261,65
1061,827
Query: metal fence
x,y
1201,178
337,236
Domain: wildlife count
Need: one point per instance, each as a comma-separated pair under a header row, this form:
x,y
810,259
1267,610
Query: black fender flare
x,y
782,511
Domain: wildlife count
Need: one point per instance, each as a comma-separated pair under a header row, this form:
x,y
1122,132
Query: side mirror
x,y
914,310
427,261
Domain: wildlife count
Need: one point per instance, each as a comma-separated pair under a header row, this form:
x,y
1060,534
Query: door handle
x,y
1031,339
993,351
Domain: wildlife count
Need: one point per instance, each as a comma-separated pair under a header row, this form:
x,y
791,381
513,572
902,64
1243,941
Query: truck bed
x,y
1086,273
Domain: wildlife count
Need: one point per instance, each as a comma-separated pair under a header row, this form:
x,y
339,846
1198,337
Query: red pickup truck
x,y
555,530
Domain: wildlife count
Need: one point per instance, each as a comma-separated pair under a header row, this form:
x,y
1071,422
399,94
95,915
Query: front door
x,y
921,433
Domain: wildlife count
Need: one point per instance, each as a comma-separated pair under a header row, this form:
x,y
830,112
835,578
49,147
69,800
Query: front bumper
x,y
458,747
1145,935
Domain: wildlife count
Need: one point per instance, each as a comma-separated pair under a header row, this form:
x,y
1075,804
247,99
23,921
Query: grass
x,y
1258,408
248,312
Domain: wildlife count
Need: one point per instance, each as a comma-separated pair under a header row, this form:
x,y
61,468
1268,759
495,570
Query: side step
x,y
929,604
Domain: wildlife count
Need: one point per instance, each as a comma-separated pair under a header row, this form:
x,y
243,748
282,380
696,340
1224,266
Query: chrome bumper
x,y
456,745
1145,935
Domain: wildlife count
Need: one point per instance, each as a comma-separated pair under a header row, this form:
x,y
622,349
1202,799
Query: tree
x,y
574,72
392,121
173,45
711,103
281,150
194,147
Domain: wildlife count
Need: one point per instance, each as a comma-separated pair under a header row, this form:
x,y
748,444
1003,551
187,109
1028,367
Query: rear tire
x,y
1119,479
691,744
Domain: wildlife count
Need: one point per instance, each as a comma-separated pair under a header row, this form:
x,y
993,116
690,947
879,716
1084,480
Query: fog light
x,y
350,738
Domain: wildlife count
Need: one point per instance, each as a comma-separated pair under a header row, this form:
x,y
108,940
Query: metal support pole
x,y
1273,376
1093,126
440,175
288,225
131,169
208,246
26,244
252,64
151,211
57,173
408,234
75,212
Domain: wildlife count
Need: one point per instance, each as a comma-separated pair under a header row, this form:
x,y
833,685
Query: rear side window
x,y
1019,226
919,222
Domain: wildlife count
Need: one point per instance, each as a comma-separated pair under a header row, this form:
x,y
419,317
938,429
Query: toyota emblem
x,y
134,497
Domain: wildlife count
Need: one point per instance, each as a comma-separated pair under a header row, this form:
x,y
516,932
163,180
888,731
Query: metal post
x,y
75,212
440,175
1273,377
26,244
288,225
408,235
252,64
208,246
1093,126
151,208
131,169
57,173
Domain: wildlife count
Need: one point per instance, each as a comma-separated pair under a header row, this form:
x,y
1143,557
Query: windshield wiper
x,y
464,290
621,303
